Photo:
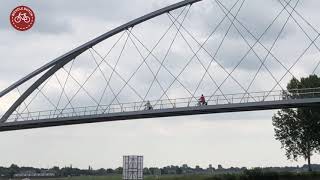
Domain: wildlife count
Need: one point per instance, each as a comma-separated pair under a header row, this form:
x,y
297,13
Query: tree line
x,y
59,172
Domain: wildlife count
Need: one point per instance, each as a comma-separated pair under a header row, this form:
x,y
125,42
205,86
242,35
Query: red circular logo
x,y
22,18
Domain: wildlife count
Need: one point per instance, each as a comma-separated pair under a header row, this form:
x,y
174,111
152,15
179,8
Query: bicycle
x,y
22,17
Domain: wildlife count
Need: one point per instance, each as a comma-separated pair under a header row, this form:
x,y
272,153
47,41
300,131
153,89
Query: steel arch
x,y
59,62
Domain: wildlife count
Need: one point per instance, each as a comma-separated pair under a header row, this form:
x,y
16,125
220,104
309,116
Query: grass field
x,y
190,177
266,176
118,177
145,178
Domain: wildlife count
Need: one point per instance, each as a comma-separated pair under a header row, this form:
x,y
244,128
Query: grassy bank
x,y
244,176
265,176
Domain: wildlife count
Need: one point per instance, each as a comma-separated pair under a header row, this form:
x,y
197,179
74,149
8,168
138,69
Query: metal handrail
x,y
165,104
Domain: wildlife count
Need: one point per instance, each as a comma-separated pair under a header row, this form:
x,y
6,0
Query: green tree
x,y
13,169
298,128
110,171
118,170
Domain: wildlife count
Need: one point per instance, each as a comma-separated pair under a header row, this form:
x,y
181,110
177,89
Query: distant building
x,y
132,168
186,169
171,170
157,172
210,169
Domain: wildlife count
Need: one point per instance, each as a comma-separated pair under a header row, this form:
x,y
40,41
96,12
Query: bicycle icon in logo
x,y
23,17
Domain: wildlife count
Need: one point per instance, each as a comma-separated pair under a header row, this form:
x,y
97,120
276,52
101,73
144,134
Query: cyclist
x,y
148,106
202,100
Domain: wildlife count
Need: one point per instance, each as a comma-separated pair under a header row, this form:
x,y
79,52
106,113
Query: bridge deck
x,y
180,111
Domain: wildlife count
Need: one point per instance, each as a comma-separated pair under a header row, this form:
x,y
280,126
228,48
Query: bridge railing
x,y
169,104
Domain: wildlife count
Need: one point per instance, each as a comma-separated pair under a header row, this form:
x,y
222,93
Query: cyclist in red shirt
x,y
202,100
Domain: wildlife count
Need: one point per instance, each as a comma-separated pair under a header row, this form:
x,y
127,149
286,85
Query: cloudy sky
x,y
234,139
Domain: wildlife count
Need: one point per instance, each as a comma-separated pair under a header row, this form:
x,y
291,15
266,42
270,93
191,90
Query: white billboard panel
x,y
132,168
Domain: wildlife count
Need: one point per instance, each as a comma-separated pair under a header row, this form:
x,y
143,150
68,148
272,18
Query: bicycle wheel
x,y
17,19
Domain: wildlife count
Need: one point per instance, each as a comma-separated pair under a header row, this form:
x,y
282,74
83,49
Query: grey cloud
x,y
52,25
255,24
53,18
